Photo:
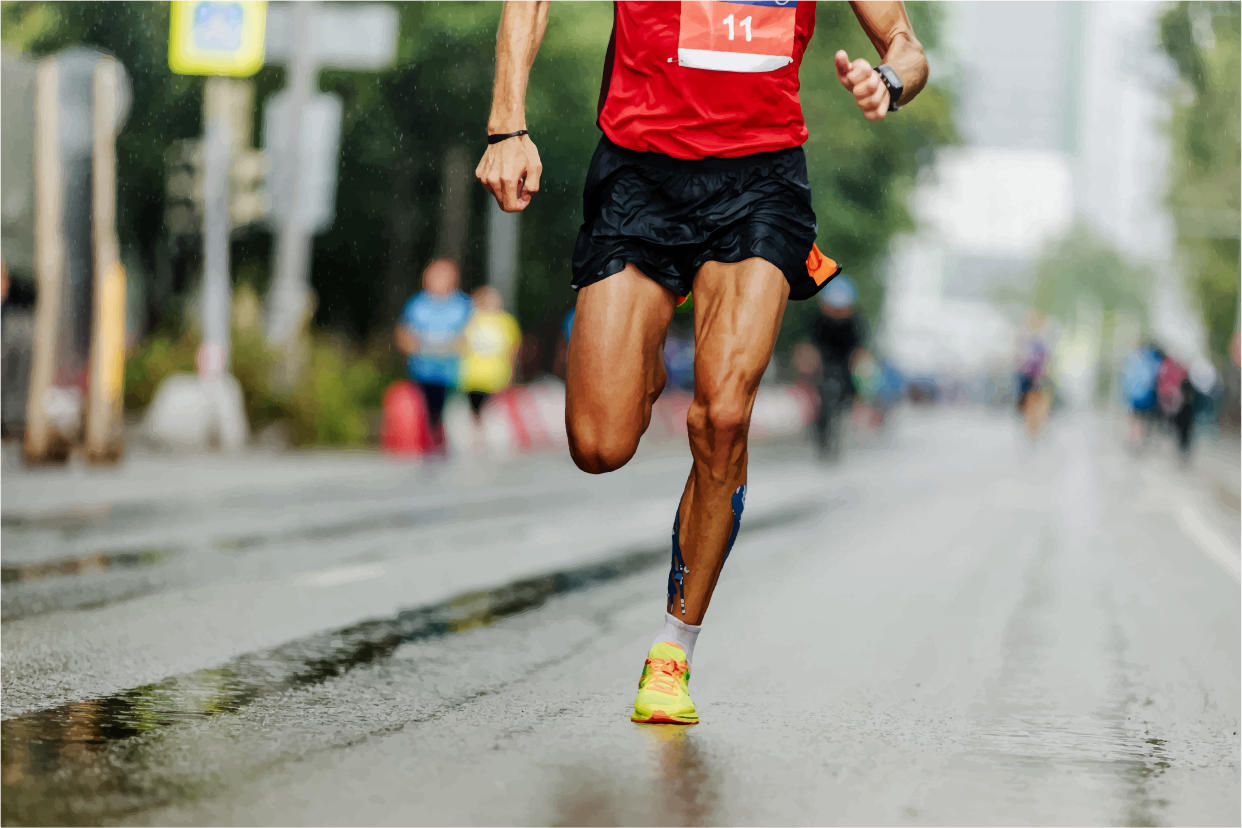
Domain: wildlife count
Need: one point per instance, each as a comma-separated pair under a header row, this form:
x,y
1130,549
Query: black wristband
x,y
497,138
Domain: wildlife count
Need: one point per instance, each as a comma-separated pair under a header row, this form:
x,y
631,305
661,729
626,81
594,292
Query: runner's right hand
x,y
510,171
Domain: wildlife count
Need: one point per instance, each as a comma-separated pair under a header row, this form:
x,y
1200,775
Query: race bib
x,y
737,35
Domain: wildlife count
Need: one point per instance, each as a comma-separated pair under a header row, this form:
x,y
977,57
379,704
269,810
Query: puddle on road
x,y
403,518
52,760
685,787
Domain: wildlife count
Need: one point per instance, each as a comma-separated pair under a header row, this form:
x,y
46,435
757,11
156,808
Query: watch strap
x,y
893,83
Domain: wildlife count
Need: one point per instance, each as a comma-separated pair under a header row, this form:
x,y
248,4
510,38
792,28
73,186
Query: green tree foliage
x,y
1203,41
1084,273
1080,267
861,171
399,123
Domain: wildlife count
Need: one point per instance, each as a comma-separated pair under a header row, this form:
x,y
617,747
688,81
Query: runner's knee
x,y
597,450
718,426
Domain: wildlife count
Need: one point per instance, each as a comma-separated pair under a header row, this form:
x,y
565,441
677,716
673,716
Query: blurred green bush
x,y
335,400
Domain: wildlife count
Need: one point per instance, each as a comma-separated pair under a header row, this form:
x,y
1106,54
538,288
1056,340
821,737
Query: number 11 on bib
x,y
736,35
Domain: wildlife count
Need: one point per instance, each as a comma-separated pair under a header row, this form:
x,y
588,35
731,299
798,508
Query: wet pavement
x,y
950,626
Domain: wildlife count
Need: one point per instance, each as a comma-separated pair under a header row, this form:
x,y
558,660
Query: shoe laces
x,y
663,674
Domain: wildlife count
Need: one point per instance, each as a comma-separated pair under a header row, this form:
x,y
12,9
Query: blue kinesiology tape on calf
x,y
677,567
739,503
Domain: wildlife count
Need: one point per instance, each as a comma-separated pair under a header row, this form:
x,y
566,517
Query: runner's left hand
x,y
861,79
510,171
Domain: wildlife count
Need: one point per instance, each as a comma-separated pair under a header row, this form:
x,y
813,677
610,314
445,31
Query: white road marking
x,y
340,575
1193,524
1209,540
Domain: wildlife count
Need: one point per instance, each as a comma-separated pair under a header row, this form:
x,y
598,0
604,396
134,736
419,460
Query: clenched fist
x,y
510,171
861,79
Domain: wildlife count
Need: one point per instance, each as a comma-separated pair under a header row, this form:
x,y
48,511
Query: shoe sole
x,y
660,717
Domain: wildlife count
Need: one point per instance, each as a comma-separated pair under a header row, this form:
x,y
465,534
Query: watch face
x,y
893,83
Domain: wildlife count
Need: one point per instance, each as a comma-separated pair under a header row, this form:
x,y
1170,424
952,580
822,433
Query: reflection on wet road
x,y
950,627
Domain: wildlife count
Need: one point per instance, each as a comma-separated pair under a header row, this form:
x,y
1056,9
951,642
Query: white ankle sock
x,y
683,635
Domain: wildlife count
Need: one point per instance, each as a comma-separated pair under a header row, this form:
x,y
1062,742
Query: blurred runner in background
x,y
491,342
699,182
1138,386
837,333
1034,398
430,335
1177,398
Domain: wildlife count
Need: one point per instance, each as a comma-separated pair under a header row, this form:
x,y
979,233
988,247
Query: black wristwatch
x,y
890,79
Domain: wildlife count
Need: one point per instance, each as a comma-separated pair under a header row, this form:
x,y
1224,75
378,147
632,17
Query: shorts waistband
x,y
712,163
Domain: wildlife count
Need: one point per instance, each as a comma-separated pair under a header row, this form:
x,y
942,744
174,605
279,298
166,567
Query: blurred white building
x,y
1062,108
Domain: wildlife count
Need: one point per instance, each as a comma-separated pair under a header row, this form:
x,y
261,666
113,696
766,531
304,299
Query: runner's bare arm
x,y
510,169
888,27
406,341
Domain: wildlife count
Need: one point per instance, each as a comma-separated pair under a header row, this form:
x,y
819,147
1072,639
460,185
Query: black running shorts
x,y
668,216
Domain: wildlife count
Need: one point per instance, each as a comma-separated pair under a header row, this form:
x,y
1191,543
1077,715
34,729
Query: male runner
x,y
429,334
699,182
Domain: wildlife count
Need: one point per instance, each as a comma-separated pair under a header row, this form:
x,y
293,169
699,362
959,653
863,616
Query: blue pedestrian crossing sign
x,y
217,37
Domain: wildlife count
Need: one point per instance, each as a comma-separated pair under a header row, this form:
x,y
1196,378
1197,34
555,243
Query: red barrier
x,y
403,427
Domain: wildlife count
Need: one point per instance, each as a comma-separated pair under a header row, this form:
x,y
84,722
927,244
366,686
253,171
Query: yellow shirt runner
x,y
491,341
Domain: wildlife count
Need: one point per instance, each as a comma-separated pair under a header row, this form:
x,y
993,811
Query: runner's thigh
x,y
737,313
615,353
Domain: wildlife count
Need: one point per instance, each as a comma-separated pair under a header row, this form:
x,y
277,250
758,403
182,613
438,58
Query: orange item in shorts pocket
x,y
820,267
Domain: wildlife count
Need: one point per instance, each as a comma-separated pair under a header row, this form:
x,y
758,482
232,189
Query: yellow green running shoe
x,y
663,695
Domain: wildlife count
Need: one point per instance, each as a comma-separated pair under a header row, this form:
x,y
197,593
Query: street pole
x,y
107,352
455,189
287,304
502,253
213,354
40,443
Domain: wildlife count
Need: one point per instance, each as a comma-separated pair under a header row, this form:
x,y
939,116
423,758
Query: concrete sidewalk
x,y
148,476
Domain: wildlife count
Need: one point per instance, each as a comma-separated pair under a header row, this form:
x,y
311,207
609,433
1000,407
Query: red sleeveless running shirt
x,y
701,78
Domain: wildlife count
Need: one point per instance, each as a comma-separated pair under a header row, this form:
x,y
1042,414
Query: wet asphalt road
x,y
950,626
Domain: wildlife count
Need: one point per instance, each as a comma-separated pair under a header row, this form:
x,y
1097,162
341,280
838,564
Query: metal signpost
x,y
223,40
318,151
302,138
220,40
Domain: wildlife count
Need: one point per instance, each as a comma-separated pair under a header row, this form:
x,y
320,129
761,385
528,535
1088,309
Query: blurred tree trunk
x,y
401,274
455,181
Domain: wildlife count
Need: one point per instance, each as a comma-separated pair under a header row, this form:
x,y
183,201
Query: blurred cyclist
x,y
837,333
491,340
429,334
699,182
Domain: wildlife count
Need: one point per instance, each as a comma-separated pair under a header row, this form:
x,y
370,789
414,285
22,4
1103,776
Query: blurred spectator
x,y
561,360
679,359
491,341
430,335
879,386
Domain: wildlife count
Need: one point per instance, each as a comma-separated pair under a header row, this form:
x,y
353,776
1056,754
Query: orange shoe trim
x,y
660,717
